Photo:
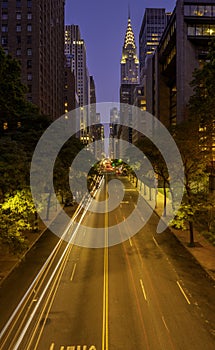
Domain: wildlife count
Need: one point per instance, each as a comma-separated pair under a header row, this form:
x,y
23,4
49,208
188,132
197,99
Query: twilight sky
x,y
103,25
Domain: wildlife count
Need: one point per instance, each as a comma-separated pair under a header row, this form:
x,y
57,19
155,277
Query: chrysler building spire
x,y
129,61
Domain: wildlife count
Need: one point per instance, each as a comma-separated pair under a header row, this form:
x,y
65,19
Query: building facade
x,y
33,32
153,25
182,48
76,60
129,78
129,66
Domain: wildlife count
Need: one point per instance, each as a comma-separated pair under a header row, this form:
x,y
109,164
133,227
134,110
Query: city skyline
x,y
104,45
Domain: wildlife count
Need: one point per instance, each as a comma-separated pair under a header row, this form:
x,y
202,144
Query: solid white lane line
x,y
183,292
165,323
130,241
155,242
143,289
73,272
34,282
52,346
48,284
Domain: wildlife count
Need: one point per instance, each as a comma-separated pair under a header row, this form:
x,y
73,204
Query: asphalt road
x,y
144,293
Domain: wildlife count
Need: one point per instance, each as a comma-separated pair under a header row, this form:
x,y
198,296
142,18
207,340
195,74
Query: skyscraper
x,y
76,58
153,25
33,32
129,66
75,51
129,76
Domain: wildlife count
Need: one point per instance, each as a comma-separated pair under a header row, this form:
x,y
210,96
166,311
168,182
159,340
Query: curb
x,y
207,271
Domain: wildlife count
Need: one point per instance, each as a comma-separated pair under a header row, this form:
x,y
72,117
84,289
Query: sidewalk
x,y
204,251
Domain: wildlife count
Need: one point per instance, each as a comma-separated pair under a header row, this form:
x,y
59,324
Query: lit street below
x,y
145,293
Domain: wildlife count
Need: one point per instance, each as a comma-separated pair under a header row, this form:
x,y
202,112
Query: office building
x,y
129,66
76,59
129,77
182,48
33,32
153,25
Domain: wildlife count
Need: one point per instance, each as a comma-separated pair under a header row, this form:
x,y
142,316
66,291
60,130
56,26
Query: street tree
x,y
17,216
12,97
195,160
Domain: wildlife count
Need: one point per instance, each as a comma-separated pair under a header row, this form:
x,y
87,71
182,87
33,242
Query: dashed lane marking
x,y
73,272
165,323
155,242
143,289
183,292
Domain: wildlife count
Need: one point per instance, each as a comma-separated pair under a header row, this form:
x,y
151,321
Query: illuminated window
x,y
4,40
4,4
18,15
4,28
5,126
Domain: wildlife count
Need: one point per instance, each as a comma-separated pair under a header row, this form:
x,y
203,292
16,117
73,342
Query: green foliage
x,y
13,167
12,100
202,102
195,139
17,215
62,167
21,126
184,214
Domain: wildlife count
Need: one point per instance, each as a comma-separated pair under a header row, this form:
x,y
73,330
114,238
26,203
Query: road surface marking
x,y
165,323
156,243
143,289
49,301
130,241
105,284
73,272
37,282
125,202
51,346
77,347
181,289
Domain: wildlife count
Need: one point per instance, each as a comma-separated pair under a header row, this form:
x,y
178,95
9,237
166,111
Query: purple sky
x,y
103,25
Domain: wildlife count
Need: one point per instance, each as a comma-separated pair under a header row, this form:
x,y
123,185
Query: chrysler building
x,y
129,66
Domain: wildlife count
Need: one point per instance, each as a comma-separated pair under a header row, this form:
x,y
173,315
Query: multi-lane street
x,y
144,293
